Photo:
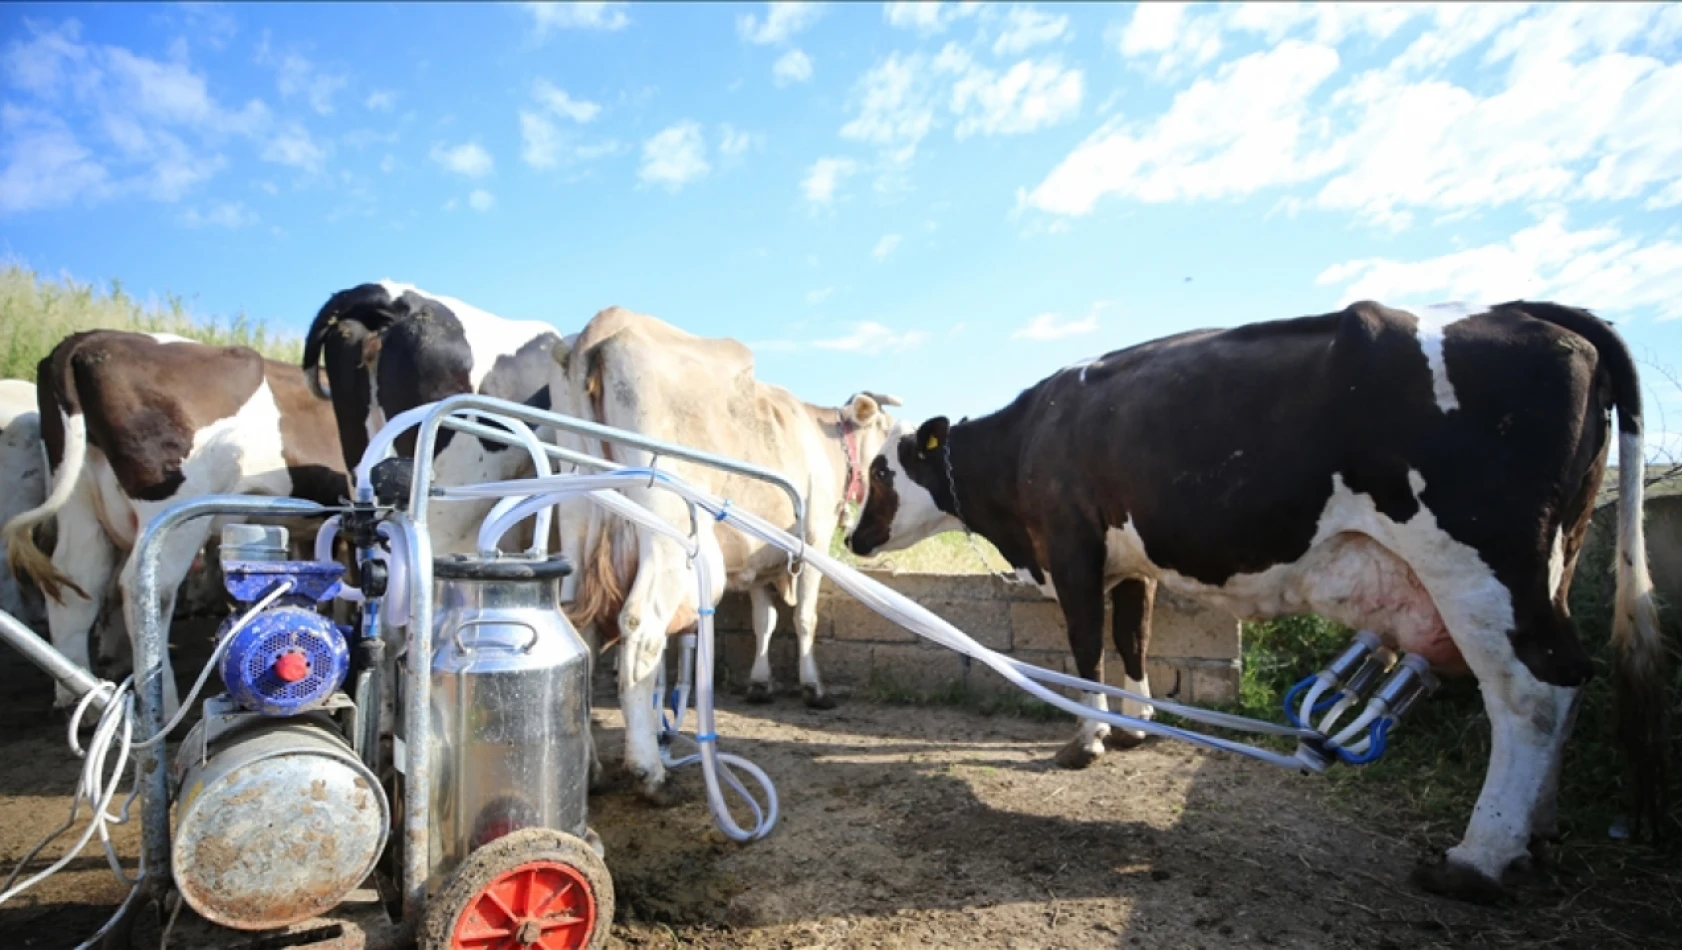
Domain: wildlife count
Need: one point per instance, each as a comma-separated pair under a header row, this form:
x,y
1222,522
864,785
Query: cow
x,y
387,347
136,422
23,472
1427,475
635,372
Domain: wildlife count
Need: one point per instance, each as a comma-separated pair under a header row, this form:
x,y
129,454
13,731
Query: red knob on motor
x,y
291,667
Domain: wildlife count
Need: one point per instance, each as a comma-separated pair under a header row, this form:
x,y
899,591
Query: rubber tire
x,y
505,854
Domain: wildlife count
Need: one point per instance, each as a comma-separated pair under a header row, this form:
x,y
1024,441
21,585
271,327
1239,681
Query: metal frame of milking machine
x,y
414,723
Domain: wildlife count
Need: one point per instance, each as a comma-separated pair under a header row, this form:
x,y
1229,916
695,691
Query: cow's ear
x,y
862,410
931,435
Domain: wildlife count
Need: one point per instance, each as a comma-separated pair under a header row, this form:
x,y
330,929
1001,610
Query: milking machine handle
x,y
456,636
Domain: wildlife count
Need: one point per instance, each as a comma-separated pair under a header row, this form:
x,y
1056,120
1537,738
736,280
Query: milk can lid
x,y
476,567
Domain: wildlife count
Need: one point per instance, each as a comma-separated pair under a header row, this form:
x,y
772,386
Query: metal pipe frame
x,y
488,405
151,641
57,665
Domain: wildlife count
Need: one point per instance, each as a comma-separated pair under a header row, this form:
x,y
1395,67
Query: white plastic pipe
x,y
913,616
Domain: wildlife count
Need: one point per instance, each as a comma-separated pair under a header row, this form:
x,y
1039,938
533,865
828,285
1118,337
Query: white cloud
x,y
1599,268
1226,136
820,295
46,166
557,101
231,215
824,177
926,18
296,75
895,107
581,15
887,245
92,122
782,21
1027,97
1026,28
734,141
1570,106
388,164
293,146
481,200
674,156
1055,326
791,67
542,143
870,337
1598,129
1176,40
468,158
380,100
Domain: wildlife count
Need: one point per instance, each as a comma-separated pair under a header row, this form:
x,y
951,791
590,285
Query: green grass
x,y
948,553
36,313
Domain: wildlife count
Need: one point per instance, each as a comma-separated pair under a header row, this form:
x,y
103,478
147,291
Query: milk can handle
x,y
495,623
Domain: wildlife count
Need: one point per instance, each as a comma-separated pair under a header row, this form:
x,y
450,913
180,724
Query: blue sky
x,y
944,201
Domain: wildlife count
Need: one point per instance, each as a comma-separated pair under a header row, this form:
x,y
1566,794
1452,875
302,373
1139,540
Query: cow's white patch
x,y
168,338
917,516
1433,321
1048,588
1132,707
1083,366
1092,732
1556,562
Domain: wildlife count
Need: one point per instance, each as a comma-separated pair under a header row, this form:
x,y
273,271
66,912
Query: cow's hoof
x,y
661,793
598,777
1078,754
816,698
1124,739
759,693
1542,850
1454,880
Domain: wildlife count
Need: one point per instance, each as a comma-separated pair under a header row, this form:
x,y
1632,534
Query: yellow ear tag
x,y
934,443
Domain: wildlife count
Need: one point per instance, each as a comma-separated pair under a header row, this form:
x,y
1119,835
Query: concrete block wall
x,y
1194,652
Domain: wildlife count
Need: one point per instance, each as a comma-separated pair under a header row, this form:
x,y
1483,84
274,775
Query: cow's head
x,y
868,425
909,494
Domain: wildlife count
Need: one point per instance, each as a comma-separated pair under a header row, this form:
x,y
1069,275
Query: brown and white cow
x,y
1428,476
134,423
388,347
635,372
23,472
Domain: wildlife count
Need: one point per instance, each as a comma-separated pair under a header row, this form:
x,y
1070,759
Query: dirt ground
x,y
935,827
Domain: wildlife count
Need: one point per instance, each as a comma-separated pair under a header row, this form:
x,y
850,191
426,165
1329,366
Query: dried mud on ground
x,y
936,827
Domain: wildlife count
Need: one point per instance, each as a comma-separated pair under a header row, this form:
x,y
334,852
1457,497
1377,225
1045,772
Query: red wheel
x,y
535,888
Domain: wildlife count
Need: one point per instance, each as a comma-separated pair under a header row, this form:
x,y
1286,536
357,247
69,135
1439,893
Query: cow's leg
x,y
1080,592
1130,606
1544,822
1529,722
174,561
85,555
806,632
764,622
650,606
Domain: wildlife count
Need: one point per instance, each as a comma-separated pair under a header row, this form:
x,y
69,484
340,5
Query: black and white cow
x,y
136,422
1428,476
388,347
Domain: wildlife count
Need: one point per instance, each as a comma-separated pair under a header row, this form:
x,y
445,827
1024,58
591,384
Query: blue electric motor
x,y
287,659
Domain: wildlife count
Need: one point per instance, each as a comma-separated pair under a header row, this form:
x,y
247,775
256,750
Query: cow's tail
x,y
602,585
324,321
1639,662
23,555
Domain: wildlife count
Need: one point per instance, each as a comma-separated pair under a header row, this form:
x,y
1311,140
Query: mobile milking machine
x,y
299,806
